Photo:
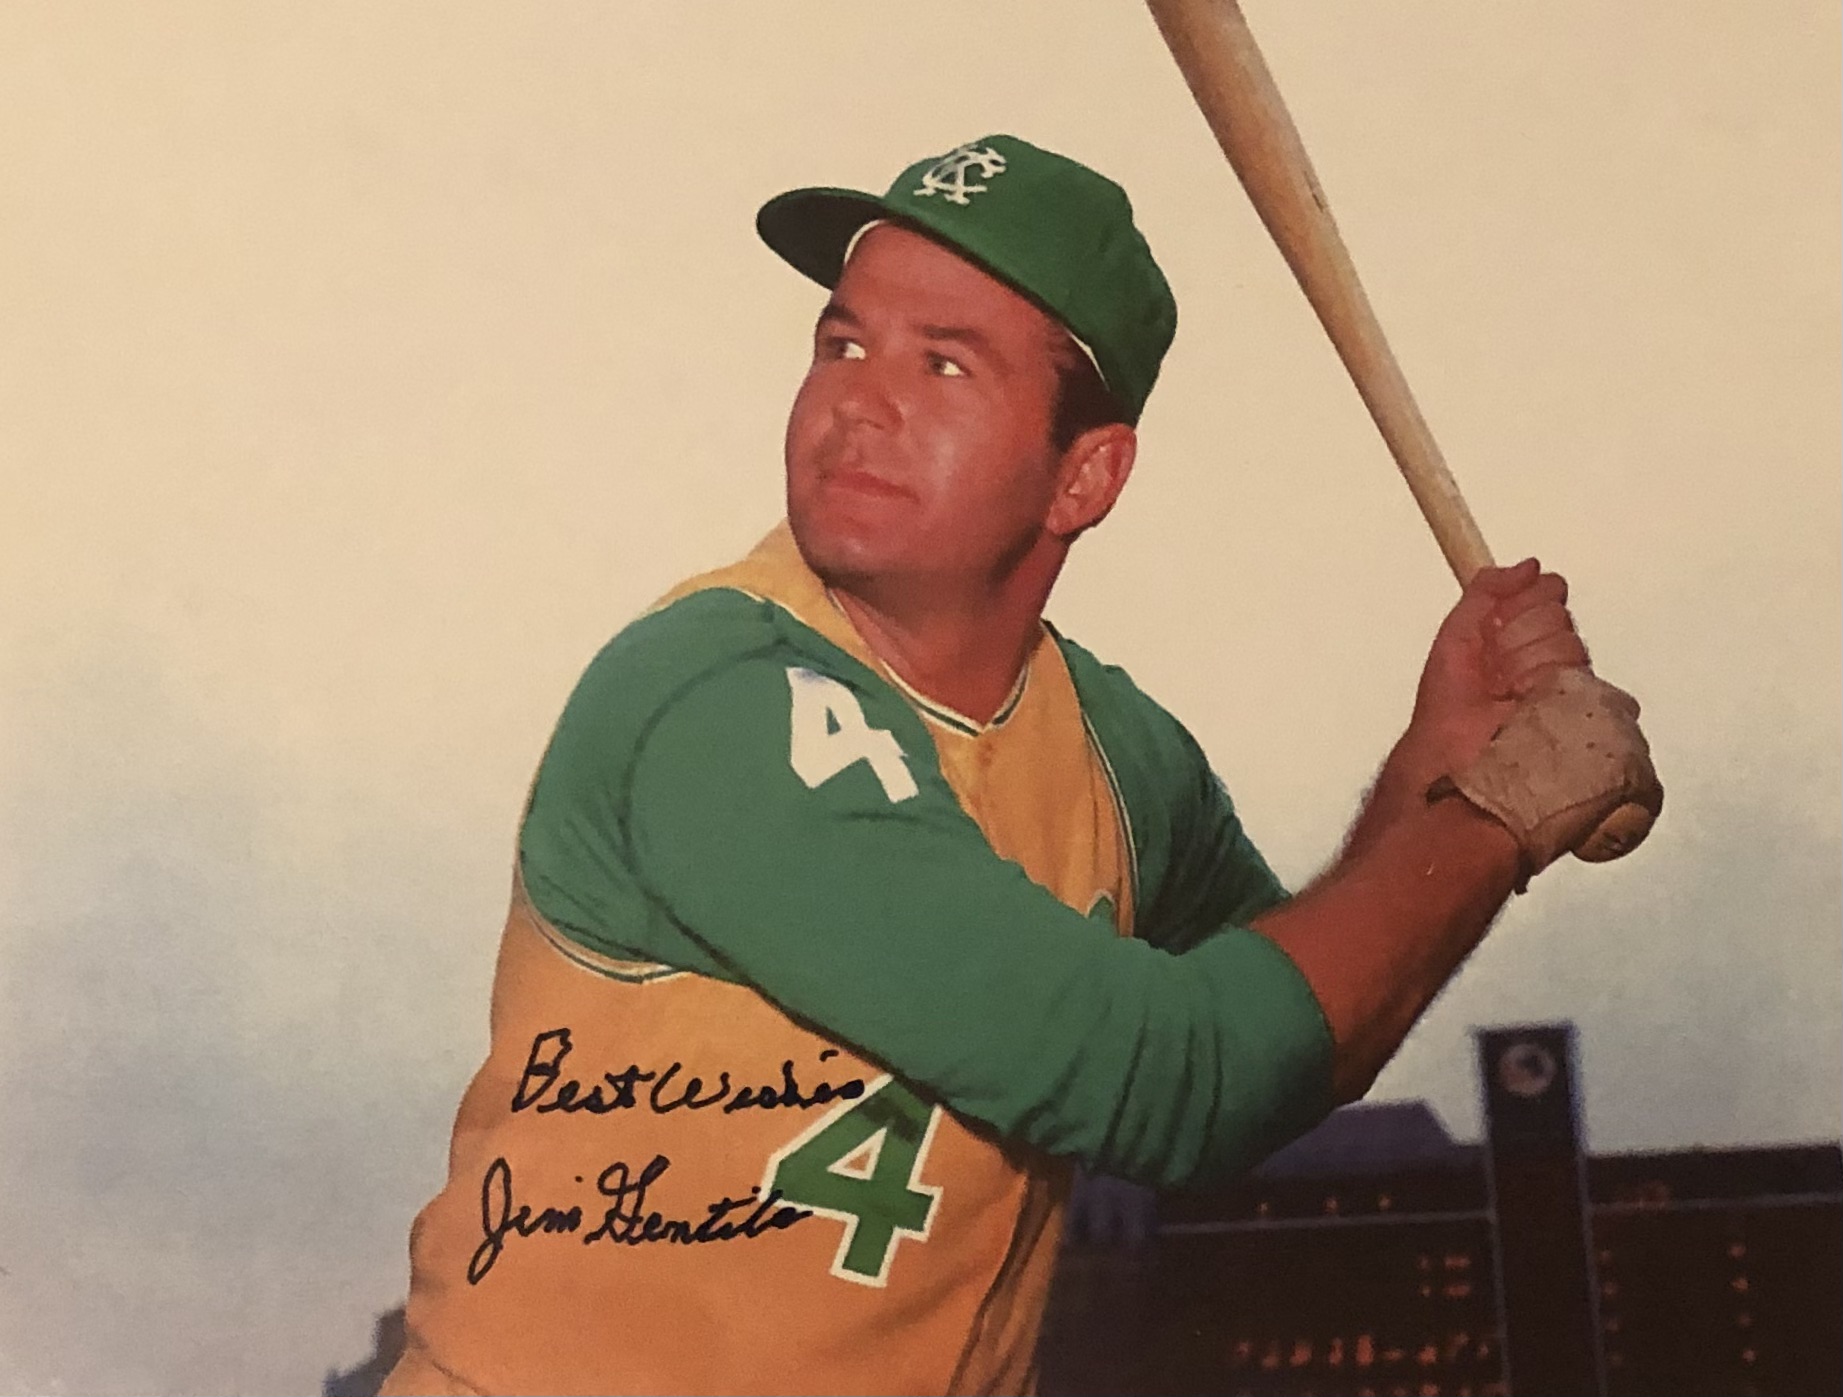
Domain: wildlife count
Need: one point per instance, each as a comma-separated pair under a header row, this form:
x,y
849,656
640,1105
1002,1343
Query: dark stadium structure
x,y
1377,1256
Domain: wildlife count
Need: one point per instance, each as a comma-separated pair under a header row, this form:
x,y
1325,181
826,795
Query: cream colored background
x,y
363,367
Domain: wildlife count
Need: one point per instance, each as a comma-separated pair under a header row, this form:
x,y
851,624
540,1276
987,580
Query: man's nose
x,y
868,396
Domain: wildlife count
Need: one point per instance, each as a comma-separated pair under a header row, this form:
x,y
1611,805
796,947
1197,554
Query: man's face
x,y
918,450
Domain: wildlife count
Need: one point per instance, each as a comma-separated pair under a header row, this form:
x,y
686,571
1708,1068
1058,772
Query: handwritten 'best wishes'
x,y
543,1087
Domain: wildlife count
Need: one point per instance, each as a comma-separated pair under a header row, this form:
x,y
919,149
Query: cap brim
x,y
811,228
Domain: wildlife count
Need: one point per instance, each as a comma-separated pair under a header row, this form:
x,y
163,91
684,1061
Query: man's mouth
x,y
861,481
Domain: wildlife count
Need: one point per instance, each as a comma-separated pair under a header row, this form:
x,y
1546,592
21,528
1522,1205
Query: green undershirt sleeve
x,y
1197,868
790,830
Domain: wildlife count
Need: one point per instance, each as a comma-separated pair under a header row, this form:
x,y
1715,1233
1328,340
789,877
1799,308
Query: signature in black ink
x,y
625,1220
543,1087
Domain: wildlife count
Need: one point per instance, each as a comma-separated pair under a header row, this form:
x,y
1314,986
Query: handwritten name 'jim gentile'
x,y
625,1221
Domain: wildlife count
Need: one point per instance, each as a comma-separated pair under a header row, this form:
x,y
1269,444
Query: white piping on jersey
x,y
949,718
631,972
939,712
1125,815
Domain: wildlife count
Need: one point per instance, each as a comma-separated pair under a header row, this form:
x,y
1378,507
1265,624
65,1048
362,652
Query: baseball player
x,y
854,905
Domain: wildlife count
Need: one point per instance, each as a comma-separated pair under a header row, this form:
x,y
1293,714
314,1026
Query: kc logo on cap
x,y
948,175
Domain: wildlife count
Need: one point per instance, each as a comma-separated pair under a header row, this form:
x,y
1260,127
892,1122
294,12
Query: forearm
x,y
1387,926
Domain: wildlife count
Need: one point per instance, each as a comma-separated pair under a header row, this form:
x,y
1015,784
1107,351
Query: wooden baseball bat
x,y
1229,79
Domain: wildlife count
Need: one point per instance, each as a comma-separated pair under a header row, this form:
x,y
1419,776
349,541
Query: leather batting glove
x,y
1569,771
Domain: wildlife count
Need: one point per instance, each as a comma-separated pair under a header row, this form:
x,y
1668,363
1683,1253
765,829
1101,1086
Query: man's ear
x,y
1093,472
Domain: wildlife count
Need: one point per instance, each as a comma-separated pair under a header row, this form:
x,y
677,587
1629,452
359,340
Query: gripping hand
x,y
1570,770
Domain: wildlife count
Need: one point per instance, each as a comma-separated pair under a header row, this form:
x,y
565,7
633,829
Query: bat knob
x,y
1617,835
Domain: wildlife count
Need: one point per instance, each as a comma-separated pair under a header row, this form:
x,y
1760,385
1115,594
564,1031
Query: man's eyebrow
x,y
976,340
836,314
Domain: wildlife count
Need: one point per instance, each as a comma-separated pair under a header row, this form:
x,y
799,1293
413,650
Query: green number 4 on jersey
x,y
862,1165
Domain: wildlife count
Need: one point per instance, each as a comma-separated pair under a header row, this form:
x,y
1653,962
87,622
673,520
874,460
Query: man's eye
x,y
946,367
841,348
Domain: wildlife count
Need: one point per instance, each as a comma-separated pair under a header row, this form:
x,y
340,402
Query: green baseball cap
x,y
1040,222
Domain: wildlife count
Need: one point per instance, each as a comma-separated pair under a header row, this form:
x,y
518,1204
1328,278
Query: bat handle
x,y
1398,418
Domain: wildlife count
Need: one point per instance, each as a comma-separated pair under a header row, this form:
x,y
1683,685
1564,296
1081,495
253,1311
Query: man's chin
x,y
841,560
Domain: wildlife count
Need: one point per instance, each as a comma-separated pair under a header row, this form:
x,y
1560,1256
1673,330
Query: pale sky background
x,y
363,367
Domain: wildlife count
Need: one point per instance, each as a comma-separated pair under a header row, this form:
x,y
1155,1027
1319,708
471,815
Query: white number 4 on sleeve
x,y
830,734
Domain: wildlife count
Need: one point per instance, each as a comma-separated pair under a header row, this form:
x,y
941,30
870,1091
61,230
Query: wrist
x,y
1418,759
1477,840
1399,791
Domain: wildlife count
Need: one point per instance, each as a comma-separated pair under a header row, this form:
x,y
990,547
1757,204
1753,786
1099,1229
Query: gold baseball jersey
x,y
810,993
